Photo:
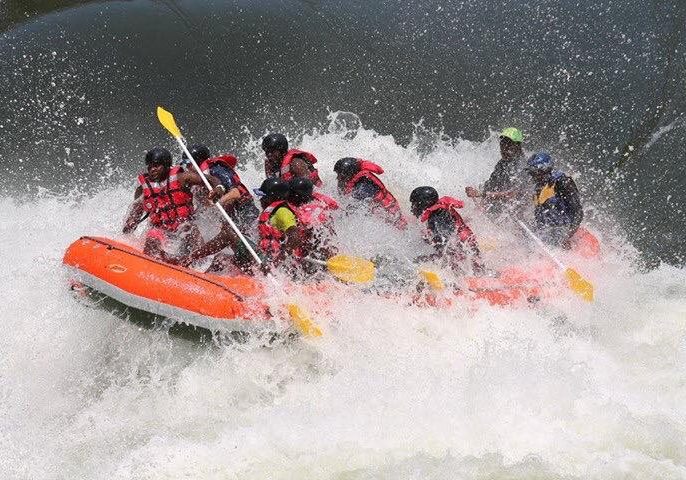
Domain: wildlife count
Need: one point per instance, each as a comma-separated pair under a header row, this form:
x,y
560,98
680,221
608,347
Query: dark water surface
x,y
600,84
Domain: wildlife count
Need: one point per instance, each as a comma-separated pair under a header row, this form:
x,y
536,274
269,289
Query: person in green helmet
x,y
509,183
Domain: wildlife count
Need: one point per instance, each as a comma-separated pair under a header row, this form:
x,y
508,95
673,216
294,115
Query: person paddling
x,y
237,199
508,184
164,197
446,231
239,205
285,163
558,211
358,179
280,231
315,214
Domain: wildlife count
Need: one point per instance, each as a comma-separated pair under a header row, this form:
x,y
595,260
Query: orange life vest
x,y
285,169
166,202
383,197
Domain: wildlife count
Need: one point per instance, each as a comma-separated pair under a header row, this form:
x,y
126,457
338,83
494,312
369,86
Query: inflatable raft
x,y
239,304
228,304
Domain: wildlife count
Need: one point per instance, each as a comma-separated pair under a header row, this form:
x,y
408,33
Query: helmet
x,y
513,134
540,162
158,156
275,141
424,195
422,198
347,167
199,152
300,189
273,188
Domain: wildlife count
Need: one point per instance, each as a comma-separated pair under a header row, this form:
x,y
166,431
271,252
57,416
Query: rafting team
x,y
295,222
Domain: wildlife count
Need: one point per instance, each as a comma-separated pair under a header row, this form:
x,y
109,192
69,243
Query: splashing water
x,y
568,390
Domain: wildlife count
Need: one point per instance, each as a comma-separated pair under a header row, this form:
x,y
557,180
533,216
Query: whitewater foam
x,y
391,391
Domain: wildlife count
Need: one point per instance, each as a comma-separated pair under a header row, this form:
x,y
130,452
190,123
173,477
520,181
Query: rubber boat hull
x,y
124,273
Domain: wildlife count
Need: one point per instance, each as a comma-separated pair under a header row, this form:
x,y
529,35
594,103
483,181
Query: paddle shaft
x,y
316,262
302,322
217,204
540,243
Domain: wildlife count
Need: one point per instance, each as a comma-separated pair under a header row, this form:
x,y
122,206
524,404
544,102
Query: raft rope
x,y
174,267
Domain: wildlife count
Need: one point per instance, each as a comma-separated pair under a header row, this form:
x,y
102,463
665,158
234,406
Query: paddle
x,y
347,268
432,278
351,269
576,282
300,319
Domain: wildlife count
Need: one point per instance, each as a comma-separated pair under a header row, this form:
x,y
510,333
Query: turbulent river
x,y
562,390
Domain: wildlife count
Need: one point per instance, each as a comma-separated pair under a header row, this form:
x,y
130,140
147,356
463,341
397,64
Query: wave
x,y
391,391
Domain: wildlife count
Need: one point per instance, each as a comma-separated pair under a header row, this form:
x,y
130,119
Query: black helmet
x,y
422,198
347,167
158,156
300,190
275,141
273,188
200,152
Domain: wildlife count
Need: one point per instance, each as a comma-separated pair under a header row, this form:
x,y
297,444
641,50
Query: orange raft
x,y
186,296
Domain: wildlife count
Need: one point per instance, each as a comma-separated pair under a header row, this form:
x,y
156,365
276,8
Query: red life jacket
x,y
230,162
318,211
316,218
383,197
451,205
271,238
285,169
166,202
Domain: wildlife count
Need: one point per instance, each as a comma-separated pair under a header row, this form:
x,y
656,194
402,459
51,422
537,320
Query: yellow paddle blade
x,y
351,269
168,122
303,323
579,284
432,278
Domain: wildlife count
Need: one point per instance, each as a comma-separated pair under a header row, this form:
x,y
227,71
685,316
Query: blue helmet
x,y
540,162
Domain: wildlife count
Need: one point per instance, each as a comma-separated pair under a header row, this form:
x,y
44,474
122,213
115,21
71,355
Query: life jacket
x,y
271,238
285,169
383,197
552,209
166,202
230,162
450,205
456,252
318,210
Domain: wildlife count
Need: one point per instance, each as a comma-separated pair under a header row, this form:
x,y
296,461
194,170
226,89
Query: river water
x,y
391,391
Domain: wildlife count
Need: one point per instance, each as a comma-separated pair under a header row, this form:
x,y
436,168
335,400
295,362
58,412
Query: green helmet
x,y
513,134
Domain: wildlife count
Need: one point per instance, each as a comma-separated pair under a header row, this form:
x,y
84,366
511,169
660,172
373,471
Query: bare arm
x,y
499,195
230,197
135,216
224,238
189,178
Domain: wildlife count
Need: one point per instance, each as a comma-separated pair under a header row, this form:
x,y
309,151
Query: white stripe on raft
x,y
178,315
